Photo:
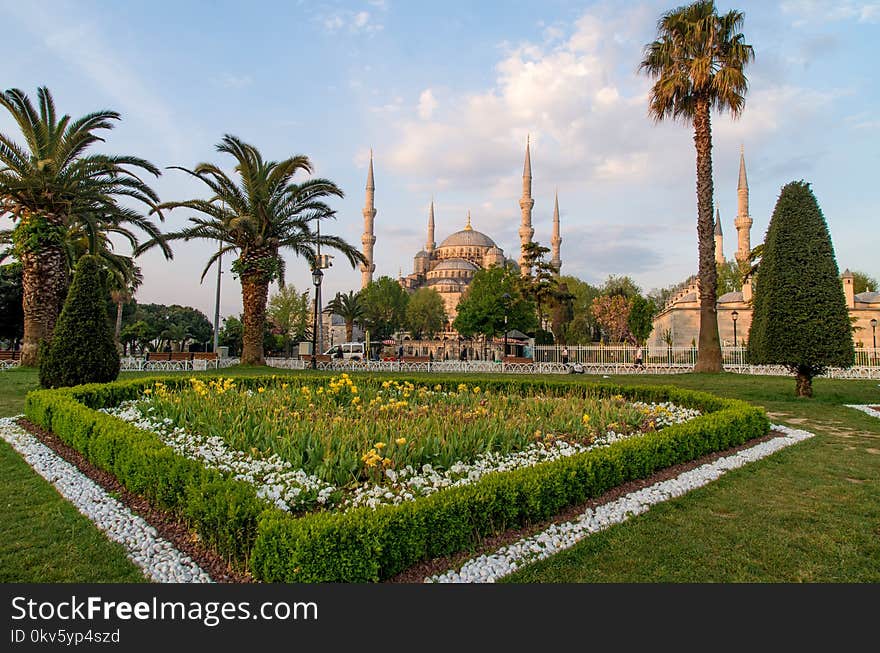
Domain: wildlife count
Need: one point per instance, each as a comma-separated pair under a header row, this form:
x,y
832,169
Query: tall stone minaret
x,y
368,239
743,220
525,204
556,239
430,244
719,239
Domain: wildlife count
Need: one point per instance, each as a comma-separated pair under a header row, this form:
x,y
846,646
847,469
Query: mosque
x,y
450,267
678,322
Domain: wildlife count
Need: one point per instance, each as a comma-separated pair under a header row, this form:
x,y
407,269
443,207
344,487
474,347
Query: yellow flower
x,y
401,441
356,400
438,388
261,390
386,462
379,445
538,433
477,390
284,386
148,391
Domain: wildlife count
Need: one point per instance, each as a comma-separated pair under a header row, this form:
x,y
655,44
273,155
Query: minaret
x,y
368,239
430,245
743,220
719,239
525,204
556,239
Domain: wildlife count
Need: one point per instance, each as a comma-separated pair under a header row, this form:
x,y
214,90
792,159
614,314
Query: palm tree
x,y
349,308
49,185
698,62
122,283
256,217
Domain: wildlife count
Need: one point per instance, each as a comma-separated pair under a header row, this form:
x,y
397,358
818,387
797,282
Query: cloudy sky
x,y
445,94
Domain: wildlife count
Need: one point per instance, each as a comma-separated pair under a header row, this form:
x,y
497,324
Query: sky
x,y
446,94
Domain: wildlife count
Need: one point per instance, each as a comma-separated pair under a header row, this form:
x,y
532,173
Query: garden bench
x,y
205,355
511,360
169,356
9,355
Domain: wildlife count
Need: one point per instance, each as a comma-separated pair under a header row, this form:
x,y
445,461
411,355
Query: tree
x,y
862,282
49,185
257,216
800,318
11,314
483,307
542,284
583,328
425,313
622,286
384,303
82,349
641,319
291,312
350,308
122,284
232,335
698,62
612,314
730,277
561,312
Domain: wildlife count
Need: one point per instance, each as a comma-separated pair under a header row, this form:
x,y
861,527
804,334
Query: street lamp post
x,y
734,315
317,276
874,335
506,298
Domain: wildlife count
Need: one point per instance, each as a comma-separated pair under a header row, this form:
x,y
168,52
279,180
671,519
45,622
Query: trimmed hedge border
x,y
367,545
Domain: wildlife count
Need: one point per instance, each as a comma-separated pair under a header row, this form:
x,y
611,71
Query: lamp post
x,y
734,315
874,335
506,298
317,276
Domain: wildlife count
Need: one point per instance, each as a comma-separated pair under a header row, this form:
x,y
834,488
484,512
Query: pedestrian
x,y
400,353
639,362
565,355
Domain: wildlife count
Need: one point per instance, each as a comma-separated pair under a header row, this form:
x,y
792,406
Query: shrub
x,y
82,349
800,318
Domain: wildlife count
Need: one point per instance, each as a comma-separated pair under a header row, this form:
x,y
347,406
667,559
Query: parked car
x,y
348,351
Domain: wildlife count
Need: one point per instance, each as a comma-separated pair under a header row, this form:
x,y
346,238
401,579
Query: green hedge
x,y
365,545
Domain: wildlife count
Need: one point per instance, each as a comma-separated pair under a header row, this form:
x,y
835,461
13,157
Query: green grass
x,y
43,538
809,513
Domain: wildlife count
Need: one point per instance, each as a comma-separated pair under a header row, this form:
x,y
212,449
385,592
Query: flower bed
x,y
236,483
339,445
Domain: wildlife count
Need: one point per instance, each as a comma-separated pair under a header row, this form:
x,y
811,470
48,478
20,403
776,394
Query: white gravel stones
x,y
865,409
489,568
159,559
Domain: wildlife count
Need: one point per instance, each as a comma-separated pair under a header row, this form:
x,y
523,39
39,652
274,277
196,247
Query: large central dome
x,y
468,238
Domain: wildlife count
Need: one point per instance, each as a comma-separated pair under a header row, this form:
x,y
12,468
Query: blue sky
x,y
445,94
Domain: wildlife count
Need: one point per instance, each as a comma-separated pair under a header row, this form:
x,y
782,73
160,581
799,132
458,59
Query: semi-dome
x,y
455,264
421,254
731,297
868,297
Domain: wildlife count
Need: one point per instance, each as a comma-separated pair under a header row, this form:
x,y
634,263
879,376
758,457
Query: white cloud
x,y
355,22
427,104
821,11
236,81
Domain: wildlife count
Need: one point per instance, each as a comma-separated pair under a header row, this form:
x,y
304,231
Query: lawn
x,y
809,513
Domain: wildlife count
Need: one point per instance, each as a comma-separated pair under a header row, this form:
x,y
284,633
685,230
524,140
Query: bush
x,y
800,318
366,545
83,349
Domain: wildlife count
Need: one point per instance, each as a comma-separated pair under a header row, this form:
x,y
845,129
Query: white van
x,y
348,351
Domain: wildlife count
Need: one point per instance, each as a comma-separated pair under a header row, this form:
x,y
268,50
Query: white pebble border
x,y
156,556
865,409
558,537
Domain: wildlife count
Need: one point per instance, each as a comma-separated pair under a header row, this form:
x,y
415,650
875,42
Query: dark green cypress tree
x,y
82,348
800,318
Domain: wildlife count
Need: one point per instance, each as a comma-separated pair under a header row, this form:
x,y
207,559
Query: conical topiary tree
x,y
83,349
800,318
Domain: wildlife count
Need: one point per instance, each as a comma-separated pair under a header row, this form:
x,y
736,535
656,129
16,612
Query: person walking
x,y
639,363
565,356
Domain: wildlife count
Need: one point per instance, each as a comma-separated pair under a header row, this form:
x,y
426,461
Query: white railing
x,y
8,364
132,364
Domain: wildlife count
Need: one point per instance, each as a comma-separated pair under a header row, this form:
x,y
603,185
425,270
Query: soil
x,y
169,526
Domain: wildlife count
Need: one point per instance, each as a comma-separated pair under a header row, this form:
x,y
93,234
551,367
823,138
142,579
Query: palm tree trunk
x,y
44,286
349,330
255,294
118,320
804,382
709,354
